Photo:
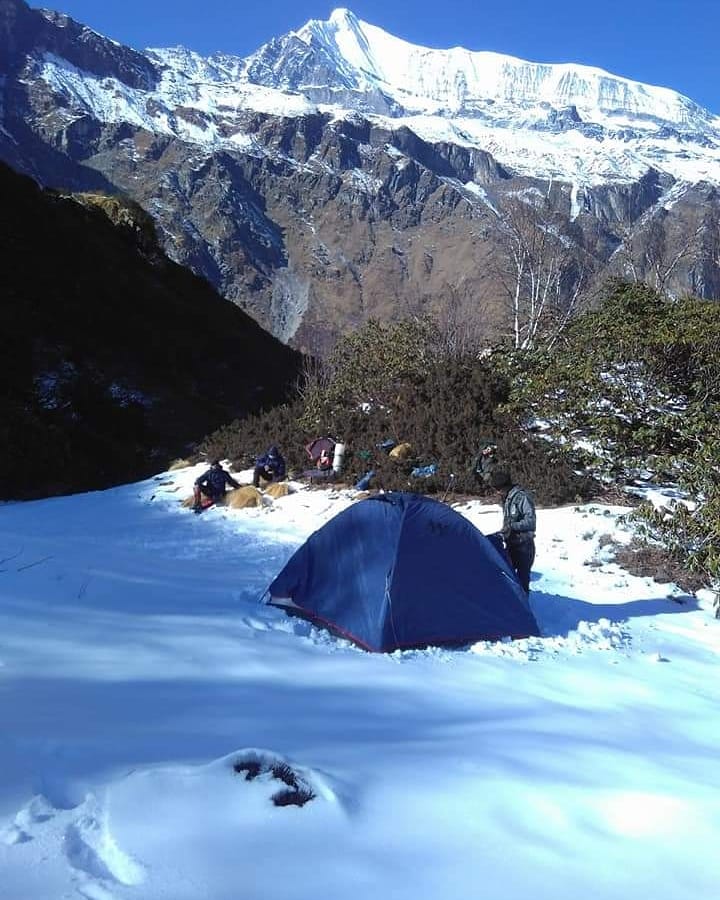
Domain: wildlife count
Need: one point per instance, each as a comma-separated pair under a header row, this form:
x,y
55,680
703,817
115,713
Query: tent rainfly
x,y
401,570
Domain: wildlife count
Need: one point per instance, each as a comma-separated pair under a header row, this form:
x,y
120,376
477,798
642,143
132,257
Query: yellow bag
x,y
400,452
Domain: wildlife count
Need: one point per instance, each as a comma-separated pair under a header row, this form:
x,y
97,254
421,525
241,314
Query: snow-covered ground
x,y
138,665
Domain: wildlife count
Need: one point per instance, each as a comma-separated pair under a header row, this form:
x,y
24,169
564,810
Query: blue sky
x,y
667,42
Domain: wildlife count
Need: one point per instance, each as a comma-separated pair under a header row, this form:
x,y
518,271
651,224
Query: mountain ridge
x,y
315,211
383,51
117,358
475,98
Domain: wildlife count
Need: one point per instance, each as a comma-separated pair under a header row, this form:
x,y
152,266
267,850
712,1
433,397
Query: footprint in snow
x,y
95,858
13,834
22,829
92,851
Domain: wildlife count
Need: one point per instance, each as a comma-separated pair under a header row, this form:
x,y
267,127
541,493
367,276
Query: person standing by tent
x,y
212,484
518,529
270,467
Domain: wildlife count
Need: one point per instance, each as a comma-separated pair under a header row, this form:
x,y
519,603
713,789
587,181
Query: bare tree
x,y
459,334
705,268
646,253
542,269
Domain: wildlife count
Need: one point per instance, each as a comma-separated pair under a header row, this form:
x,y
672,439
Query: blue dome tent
x,y
401,570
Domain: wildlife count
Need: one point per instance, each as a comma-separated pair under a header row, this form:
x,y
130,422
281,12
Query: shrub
x,y
638,382
624,378
401,382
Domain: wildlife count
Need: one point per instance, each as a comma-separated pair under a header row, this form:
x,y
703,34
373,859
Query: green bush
x,y
401,382
637,381
114,358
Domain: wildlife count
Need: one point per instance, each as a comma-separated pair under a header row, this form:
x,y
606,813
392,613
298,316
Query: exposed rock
x,y
311,222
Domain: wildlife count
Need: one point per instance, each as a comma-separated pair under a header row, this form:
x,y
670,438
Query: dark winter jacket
x,y
484,465
213,482
272,462
518,516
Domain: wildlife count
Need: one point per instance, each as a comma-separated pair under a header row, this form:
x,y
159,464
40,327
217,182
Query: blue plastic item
x,y
424,471
364,483
386,445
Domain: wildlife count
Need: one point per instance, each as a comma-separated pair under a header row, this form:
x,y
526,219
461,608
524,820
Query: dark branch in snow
x,y
36,563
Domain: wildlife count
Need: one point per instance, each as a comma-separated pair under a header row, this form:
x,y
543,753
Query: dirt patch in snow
x,y
656,563
296,791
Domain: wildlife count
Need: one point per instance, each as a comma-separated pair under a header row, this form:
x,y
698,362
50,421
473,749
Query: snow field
x,y
138,665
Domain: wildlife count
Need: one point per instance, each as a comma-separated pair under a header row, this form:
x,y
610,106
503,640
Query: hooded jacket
x,y
273,462
212,483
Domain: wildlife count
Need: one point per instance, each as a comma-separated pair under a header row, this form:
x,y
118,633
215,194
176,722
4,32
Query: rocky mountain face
x,y
340,173
114,356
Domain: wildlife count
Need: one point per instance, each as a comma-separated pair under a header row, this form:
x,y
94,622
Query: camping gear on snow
x,y
401,452
321,451
386,445
401,570
316,447
362,484
449,488
277,489
319,476
424,471
338,458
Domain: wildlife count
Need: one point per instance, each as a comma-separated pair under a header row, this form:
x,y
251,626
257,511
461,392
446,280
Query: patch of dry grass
x,y
657,563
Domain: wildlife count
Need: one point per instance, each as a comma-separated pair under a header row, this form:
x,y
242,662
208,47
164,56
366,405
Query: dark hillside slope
x,y
113,357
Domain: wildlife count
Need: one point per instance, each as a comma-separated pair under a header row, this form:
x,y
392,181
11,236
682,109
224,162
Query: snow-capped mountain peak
x,y
461,80
561,121
345,38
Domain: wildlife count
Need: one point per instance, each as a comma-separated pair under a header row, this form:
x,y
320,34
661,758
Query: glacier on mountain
x,y
558,121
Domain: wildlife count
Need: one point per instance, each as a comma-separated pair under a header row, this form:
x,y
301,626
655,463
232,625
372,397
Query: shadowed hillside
x,y
114,358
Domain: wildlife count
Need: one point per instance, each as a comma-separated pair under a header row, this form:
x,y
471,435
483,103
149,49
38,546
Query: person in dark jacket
x,y
518,529
212,483
270,467
485,463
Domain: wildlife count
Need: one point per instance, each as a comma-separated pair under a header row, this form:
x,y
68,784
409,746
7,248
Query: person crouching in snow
x,y
518,529
212,484
270,467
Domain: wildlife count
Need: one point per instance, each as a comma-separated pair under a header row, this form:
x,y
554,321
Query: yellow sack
x,y
277,489
179,464
400,452
244,497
